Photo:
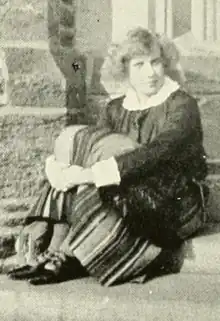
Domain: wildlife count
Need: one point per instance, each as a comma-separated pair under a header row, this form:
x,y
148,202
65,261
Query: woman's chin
x,y
150,92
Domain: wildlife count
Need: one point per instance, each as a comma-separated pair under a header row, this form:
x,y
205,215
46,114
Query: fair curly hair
x,y
140,41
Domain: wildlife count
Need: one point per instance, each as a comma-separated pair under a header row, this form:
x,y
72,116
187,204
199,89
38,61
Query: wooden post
x,y
169,18
217,19
198,19
164,17
160,16
151,14
210,20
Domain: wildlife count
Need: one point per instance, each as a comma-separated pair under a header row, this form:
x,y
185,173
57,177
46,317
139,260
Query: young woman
x,y
127,192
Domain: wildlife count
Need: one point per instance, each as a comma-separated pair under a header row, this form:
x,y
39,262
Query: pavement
x,y
193,294
181,297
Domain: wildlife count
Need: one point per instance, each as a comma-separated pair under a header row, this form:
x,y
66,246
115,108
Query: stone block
x,y
202,72
213,206
210,120
30,60
24,24
36,89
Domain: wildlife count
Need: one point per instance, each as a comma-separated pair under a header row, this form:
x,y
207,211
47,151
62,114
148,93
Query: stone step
x,y
34,78
37,89
204,252
9,220
34,56
14,211
27,59
211,129
26,22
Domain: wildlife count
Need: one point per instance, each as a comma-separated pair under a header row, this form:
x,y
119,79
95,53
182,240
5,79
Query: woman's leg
x,y
50,207
100,237
34,264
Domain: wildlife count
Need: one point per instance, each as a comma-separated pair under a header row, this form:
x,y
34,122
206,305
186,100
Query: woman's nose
x,y
148,69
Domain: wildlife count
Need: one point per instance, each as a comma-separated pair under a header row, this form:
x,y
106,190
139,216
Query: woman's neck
x,y
144,98
138,101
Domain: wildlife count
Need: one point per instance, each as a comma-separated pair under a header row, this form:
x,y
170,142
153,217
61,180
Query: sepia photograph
x,y
109,160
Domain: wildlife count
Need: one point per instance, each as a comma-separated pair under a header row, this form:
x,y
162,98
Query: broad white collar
x,y
131,101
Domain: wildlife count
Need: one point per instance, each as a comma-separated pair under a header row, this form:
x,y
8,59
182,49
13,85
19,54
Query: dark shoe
x,y
26,272
23,268
50,277
60,268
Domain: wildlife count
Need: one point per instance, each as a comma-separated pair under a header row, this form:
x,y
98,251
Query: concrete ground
x,y
193,294
181,297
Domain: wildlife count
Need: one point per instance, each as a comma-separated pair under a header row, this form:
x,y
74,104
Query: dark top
x,y
170,133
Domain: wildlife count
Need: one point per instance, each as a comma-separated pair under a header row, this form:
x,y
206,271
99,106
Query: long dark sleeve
x,y
182,128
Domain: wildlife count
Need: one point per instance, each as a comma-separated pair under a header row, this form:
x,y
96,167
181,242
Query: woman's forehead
x,y
154,52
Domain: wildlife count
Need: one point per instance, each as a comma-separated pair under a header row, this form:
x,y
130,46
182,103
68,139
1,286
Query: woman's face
x,y
146,73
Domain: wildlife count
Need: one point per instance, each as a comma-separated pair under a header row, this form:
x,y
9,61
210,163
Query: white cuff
x,y
106,173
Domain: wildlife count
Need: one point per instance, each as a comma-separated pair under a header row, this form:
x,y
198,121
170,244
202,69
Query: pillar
x,y
34,79
205,23
198,20
218,19
160,14
164,17
169,17
210,30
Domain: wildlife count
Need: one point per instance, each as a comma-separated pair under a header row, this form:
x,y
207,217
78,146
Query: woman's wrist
x,y
87,176
80,175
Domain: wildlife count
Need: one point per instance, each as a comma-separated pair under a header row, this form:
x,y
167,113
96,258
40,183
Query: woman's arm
x,y
182,127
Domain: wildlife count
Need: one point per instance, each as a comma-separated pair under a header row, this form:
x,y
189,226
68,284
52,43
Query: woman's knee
x,y
111,145
63,149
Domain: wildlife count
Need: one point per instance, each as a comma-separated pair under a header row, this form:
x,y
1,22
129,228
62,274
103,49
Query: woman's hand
x,y
53,170
63,177
74,176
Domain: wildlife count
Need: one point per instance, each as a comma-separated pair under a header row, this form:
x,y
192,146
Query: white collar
x,y
131,101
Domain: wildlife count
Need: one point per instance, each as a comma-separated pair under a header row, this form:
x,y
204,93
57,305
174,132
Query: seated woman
x,y
127,192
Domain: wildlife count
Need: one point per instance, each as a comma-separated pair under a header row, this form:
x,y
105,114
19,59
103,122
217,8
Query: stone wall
x,y
34,79
43,39
62,30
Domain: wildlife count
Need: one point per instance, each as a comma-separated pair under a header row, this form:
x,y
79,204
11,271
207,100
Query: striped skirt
x,y
102,236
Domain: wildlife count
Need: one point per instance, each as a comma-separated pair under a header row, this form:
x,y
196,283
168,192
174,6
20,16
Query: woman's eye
x,y
139,64
156,62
